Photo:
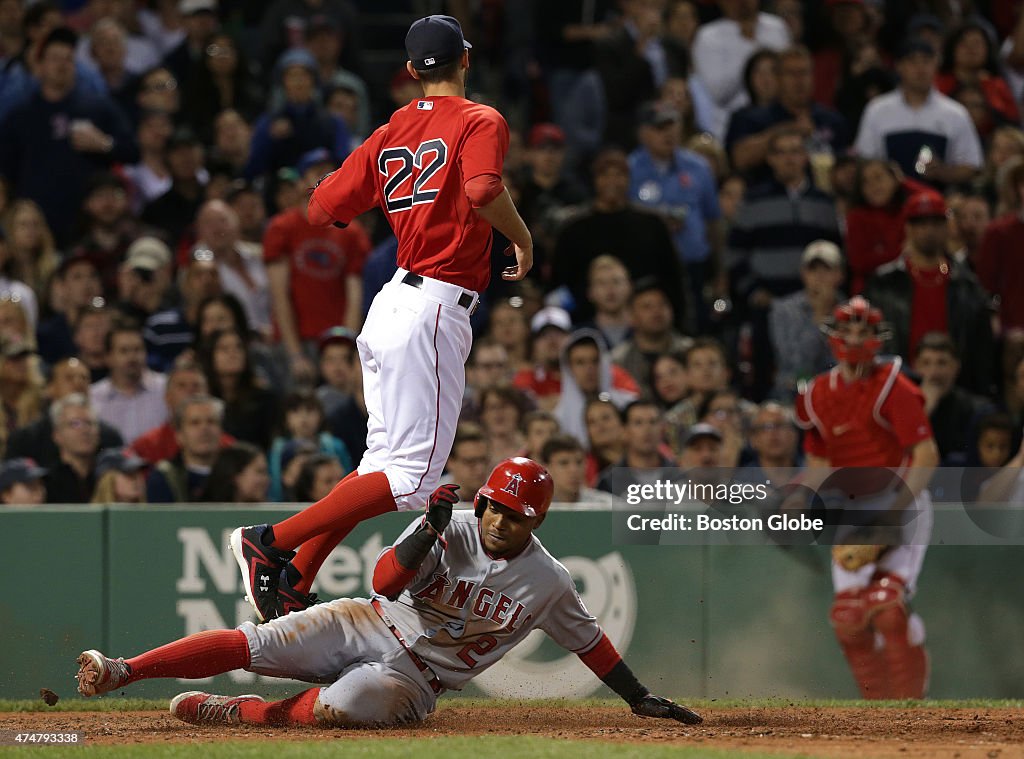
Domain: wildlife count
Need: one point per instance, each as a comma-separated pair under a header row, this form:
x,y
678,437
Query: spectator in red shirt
x,y
314,271
927,291
969,59
549,329
874,225
185,380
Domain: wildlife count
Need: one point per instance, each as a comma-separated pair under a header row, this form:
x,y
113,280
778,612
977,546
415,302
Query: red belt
x,y
421,665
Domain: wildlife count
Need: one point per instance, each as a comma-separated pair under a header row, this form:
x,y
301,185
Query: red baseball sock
x,y
204,654
314,552
350,502
297,710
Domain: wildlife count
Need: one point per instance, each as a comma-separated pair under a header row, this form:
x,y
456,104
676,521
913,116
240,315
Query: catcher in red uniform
x,y
865,415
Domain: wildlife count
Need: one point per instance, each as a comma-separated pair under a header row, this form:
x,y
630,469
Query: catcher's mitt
x,y
852,558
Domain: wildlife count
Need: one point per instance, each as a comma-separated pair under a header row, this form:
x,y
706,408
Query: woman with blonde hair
x,y
119,477
15,322
13,289
33,253
21,388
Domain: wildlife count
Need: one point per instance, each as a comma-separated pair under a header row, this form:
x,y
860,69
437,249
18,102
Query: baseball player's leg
x,y
367,496
420,422
314,552
856,637
902,633
297,710
882,640
419,356
375,457
198,708
204,654
902,630
374,693
315,644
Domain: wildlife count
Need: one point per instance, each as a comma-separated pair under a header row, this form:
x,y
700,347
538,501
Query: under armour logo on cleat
x,y
265,583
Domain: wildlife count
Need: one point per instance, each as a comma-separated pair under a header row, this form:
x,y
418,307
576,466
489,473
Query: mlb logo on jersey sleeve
x,y
425,105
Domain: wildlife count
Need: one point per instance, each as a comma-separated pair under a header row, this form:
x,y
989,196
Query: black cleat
x,y
261,569
289,599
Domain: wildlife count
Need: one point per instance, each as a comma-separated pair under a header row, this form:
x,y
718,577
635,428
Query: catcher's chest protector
x,y
848,418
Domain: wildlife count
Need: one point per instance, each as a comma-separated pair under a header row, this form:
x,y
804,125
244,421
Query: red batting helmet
x,y
857,310
520,484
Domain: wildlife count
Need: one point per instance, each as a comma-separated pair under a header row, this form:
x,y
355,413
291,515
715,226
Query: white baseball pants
x,y
413,349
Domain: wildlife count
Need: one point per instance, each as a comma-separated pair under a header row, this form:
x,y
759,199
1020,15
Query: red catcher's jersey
x,y
870,422
415,168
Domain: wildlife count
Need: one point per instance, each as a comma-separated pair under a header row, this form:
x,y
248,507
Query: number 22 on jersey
x,y
400,164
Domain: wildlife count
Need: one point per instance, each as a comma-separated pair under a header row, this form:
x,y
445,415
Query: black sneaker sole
x,y
243,565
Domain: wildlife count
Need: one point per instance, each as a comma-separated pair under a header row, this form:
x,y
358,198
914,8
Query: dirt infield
x,y
963,733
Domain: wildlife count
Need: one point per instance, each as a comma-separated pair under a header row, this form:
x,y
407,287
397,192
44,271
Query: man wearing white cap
x,y
144,278
549,329
801,350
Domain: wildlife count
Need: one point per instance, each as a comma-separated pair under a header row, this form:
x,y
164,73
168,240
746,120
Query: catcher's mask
x,y
520,484
857,310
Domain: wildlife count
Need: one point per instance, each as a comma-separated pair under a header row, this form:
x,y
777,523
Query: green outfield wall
x,y
713,621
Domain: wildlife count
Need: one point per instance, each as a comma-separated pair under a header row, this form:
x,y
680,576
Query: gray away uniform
x,y
460,614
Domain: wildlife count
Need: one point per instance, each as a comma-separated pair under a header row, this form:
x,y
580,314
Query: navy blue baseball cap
x,y
915,46
335,335
435,41
313,158
19,470
119,459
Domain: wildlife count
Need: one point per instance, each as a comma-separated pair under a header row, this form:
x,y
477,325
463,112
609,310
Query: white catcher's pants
x,y
903,560
413,349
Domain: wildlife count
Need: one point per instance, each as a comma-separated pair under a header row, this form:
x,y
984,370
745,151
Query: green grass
x,y
75,704
526,747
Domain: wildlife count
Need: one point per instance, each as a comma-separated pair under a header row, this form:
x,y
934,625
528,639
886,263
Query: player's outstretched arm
x,y
609,666
398,565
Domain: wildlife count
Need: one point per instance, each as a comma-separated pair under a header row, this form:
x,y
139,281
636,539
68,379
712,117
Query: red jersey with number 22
x,y
415,168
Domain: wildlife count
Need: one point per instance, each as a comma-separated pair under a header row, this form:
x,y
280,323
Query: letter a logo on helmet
x,y
519,484
513,484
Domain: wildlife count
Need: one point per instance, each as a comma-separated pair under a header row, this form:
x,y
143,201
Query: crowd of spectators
x,y
705,180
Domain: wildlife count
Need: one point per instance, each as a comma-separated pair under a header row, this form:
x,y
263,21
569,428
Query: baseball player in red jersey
x,y
454,594
435,170
865,413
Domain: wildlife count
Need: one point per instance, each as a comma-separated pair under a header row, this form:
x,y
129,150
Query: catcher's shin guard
x,y
906,660
852,625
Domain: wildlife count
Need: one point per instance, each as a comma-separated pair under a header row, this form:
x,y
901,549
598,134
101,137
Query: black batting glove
x,y
663,708
439,507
